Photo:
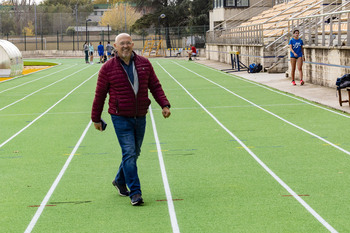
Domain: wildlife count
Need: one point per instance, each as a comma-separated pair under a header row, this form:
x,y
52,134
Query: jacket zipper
x,y
135,95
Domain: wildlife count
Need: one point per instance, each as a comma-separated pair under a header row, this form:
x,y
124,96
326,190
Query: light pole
x,y
86,31
162,16
125,16
108,31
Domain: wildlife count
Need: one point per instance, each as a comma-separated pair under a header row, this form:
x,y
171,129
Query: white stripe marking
x,y
35,79
169,198
281,182
41,89
13,136
271,113
52,113
24,75
278,92
55,183
184,108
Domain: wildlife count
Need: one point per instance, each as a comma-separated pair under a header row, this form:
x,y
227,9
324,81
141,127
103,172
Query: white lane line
x,y
271,113
55,183
24,75
278,92
169,198
52,113
279,180
35,79
41,89
13,136
184,108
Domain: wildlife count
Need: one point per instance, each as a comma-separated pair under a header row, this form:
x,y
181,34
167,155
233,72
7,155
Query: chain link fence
x,y
32,29
174,37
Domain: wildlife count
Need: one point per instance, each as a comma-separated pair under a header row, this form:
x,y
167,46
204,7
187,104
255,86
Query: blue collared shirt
x,y
129,70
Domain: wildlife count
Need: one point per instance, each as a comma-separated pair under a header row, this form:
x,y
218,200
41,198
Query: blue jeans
x,y
130,132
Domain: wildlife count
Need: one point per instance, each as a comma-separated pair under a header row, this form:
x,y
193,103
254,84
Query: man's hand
x,y
166,112
98,126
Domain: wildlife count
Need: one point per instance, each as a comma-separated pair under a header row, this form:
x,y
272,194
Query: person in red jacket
x,y
192,52
127,78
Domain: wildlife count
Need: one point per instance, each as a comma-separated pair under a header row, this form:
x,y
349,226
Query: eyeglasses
x,y
128,43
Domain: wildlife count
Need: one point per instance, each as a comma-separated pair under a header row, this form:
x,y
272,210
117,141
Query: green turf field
x,y
234,156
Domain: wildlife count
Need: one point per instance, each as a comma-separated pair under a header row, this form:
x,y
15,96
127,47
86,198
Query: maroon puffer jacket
x,y
113,79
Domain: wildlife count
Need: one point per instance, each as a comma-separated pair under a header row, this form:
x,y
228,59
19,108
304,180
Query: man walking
x,y
127,78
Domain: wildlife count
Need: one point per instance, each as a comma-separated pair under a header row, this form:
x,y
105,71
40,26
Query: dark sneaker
x,y
136,199
122,189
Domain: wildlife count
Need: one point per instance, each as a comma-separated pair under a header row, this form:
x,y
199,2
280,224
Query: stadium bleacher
x,y
276,20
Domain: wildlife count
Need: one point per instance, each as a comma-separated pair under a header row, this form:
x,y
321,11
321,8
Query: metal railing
x,y
221,32
243,16
255,33
231,31
324,26
318,30
326,9
333,26
280,44
252,35
283,22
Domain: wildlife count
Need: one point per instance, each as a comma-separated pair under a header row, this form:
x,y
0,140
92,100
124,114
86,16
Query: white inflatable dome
x,y
11,61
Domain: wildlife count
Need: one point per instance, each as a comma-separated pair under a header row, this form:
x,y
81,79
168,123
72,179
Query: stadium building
x,y
260,32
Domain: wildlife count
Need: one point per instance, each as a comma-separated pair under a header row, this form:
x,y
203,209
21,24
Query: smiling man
x,y
127,78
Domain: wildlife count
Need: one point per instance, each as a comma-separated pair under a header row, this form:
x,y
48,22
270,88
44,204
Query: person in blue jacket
x,y
296,56
101,51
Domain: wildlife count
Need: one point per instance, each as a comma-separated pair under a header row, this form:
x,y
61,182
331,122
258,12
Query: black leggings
x,y
87,56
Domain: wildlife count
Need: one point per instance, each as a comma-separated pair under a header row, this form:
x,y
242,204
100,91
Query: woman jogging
x,y
296,56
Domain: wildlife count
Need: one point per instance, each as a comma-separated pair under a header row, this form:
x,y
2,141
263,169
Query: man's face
x,y
124,46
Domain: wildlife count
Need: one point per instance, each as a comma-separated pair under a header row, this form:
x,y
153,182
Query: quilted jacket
x,y
123,101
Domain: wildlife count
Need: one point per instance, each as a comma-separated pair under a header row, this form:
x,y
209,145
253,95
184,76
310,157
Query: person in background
x,y
126,78
86,51
296,56
109,49
91,53
192,52
100,50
